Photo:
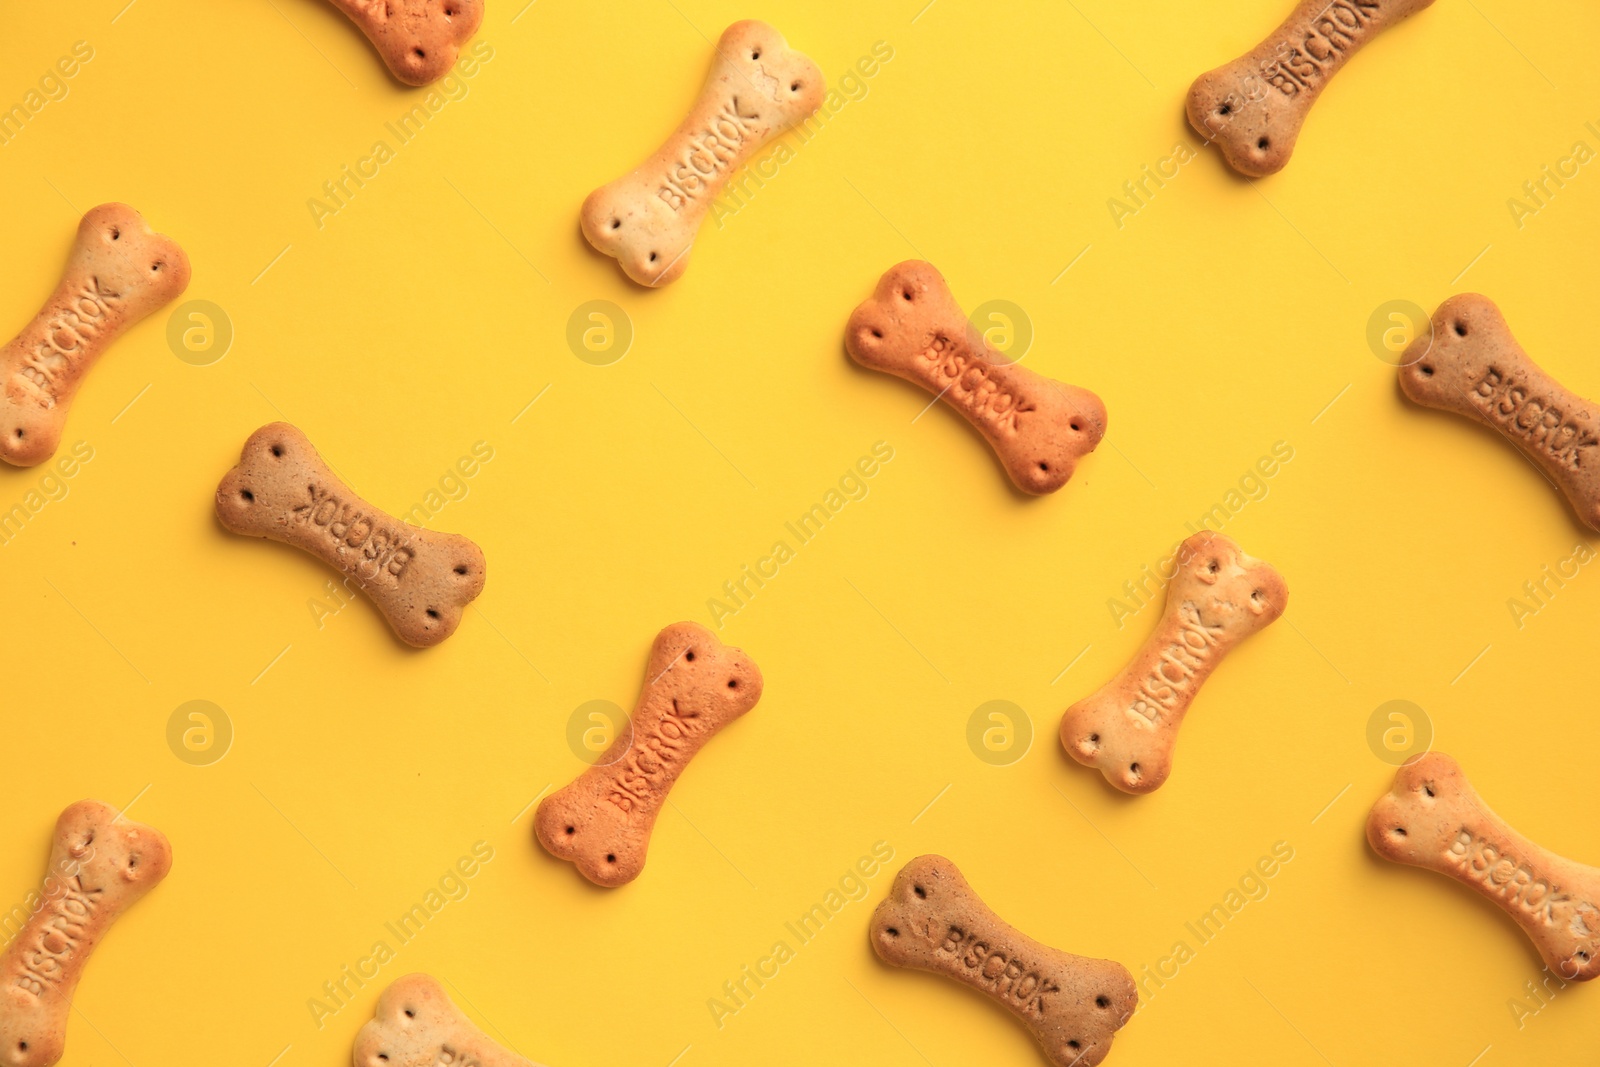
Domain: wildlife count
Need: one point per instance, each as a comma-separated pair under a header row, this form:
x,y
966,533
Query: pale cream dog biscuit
x,y
1253,108
758,87
1129,726
913,328
99,868
417,1025
601,822
118,272
422,581
933,921
1470,364
418,39
1434,819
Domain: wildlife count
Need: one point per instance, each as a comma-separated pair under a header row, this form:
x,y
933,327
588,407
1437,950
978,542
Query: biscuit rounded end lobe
x,y
1253,139
1129,762
588,832
1394,829
1434,370
28,435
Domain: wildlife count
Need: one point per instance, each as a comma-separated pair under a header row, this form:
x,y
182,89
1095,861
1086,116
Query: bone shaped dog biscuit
x,y
1253,108
602,821
1470,364
99,867
1129,726
758,88
1434,819
118,272
422,581
913,328
419,40
417,1025
933,921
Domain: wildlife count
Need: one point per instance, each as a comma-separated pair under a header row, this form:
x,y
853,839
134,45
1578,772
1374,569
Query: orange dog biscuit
x,y
119,271
913,328
419,40
99,868
1129,726
601,822
933,921
422,581
1434,819
417,1025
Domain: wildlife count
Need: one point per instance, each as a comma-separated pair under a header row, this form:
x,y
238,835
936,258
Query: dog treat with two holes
x,y
602,821
422,581
1434,819
419,40
1469,363
933,921
417,1025
99,868
758,88
1129,726
1253,108
118,272
913,328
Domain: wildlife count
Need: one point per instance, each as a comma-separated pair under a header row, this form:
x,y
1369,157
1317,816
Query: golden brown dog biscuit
x,y
1434,819
601,822
119,271
419,40
99,868
422,581
758,87
1253,108
1129,726
417,1025
1470,364
933,921
913,328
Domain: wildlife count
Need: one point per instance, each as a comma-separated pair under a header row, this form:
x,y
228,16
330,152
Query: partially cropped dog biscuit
x,y
1470,364
1434,819
933,921
601,822
1253,108
417,1025
419,40
758,88
100,866
913,328
119,271
1129,727
422,581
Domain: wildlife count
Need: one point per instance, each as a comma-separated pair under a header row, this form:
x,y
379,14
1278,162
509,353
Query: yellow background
x,y
426,314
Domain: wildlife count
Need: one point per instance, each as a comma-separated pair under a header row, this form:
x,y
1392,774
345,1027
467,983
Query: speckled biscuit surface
x,y
99,867
1129,727
1469,363
119,271
1433,818
913,328
419,40
1253,108
417,1025
758,87
601,822
422,581
933,921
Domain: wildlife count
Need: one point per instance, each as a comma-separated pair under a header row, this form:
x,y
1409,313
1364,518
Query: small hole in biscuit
x,y
611,857
892,932
1044,467
1213,567
756,54
1582,955
133,861
794,87
277,450
1225,109
616,224
155,266
432,614
1133,769
1428,789
1102,1001
652,257
1094,739
1074,1044
920,892
19,432
22,1046
461,568
1461,329
1076,425
906,294
689,655
410,1014
733,683
572,830
1262,144
1427,371
247,496
116,234
1399,831
878,334
419,53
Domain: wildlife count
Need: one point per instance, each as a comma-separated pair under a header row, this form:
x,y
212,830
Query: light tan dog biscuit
x,y
422,581
1253,108
1470,364
1129,726
758,87
119,271
419,40
99,868
602,821
913,328
933,921
1434,819
417,1025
